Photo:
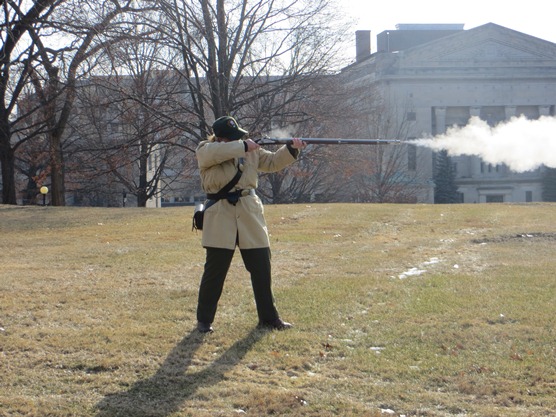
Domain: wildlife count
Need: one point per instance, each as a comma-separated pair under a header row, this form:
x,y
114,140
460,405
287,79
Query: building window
x,y
489,168
493,114
458,116
528,196
495,198
411,116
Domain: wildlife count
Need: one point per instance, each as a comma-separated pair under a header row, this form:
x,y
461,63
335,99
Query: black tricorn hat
x,y
227,127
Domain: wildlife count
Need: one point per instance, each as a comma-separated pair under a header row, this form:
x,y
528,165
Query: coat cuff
x,y
294,152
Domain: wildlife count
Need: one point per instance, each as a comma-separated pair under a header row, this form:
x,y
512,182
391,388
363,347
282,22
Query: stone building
x,y
441,75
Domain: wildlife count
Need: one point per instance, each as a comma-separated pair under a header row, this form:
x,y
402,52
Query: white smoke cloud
x,y
520,143
282,133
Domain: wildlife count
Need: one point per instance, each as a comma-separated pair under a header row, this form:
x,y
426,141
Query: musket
x,y
326,141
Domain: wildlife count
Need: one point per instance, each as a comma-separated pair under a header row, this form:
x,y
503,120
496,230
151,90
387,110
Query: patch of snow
x,y
417,271
432,261
412,272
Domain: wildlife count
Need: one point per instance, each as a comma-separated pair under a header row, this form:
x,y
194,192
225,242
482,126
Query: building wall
x,y
477,181
398,40
491,72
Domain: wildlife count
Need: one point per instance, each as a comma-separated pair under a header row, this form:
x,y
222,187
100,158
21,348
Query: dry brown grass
x,y
98,314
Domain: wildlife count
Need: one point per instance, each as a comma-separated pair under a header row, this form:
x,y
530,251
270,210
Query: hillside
x,y
415,310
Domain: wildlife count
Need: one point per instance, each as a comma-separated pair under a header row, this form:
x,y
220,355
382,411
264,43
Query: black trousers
x,y
218,261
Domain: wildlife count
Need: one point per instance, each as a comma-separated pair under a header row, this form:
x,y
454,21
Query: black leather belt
x,y
232,197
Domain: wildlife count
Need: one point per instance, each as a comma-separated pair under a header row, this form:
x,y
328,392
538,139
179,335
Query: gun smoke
x,y
282,133
521,144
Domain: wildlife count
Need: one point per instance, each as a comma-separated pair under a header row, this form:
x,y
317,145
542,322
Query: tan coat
x,y
224,222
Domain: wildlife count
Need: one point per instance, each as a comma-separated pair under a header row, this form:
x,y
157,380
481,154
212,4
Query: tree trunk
x,y
7,161
143,172
58,195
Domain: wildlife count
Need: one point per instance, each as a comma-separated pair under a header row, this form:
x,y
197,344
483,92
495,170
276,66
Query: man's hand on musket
x,y
298,144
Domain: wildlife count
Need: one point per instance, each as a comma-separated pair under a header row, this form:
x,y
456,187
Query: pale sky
x,y
532,17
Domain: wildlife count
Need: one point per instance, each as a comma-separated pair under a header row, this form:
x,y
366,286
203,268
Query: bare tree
x,y
244,57
86,28
266,62
121,127
325,111
382,174
17,57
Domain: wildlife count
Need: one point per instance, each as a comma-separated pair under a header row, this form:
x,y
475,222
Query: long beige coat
x,y
224,222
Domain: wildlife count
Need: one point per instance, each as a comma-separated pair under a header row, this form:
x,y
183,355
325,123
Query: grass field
x,y
415,310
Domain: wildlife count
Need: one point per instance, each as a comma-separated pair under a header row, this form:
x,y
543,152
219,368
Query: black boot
x,y
204,327
277,324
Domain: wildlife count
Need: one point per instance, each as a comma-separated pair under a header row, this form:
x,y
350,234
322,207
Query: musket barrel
x,y
327,141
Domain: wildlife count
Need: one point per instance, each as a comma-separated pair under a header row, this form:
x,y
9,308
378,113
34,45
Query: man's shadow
x,y
166,391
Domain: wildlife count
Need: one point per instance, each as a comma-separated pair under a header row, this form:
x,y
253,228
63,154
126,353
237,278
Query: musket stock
x,y
327,141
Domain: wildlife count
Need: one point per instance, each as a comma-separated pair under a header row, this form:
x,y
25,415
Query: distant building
x,y
441,75
429,77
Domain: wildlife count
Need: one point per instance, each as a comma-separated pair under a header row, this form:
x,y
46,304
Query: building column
x,y
544,110
475,161
440,120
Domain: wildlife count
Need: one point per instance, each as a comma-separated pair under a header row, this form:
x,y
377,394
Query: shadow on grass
x,y
166,391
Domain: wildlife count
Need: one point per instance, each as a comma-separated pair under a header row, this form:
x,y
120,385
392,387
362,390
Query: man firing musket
x,y
233,214
326,141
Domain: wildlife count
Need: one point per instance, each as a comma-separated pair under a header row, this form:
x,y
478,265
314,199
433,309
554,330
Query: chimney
x,y
362,44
